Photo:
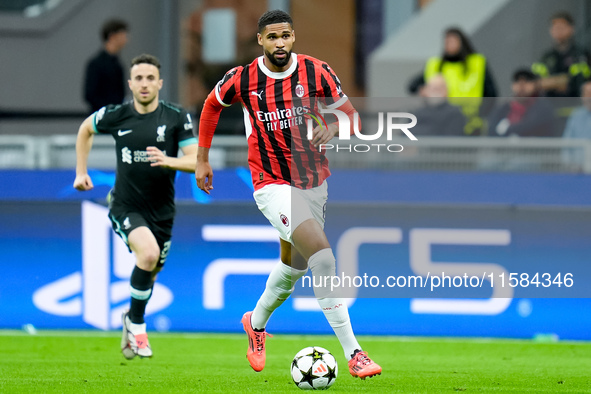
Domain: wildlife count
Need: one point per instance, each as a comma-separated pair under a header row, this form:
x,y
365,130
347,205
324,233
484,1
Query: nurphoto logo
x,y
392,121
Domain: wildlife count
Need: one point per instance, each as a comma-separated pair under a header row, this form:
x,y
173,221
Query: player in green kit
x,y
148,134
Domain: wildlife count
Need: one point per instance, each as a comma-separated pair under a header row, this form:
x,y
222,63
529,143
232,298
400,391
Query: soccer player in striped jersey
x,y
278,91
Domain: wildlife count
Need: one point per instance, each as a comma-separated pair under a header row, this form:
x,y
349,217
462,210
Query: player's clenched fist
x,y
83,183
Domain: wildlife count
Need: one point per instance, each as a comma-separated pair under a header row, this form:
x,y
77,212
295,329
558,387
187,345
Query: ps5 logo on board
x,y
92,293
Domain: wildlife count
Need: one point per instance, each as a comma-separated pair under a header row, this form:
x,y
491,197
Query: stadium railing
x,y
429,153
18,152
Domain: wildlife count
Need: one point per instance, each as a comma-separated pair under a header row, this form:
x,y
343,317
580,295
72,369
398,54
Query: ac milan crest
x,y
299,90
284,220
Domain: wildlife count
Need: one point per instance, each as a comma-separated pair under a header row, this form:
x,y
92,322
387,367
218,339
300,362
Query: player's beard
x,y
145,101
278,62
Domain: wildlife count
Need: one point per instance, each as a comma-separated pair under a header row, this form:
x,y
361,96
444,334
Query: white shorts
x,y
287,207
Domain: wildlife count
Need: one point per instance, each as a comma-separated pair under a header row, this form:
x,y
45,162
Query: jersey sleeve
x,y
331,88
102,120
225,90
186,134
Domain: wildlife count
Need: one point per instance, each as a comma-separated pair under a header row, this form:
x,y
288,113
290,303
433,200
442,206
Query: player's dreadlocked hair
x,y
272,17
145,58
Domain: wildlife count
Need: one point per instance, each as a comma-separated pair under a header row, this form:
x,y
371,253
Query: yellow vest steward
x,y
461,82
465,86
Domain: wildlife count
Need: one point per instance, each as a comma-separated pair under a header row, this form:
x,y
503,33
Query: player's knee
x,y
153,255
323,263
309,238
148,258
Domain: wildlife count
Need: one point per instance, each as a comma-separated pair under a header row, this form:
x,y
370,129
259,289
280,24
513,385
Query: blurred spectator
x,y
565,67
438,117
104,80
579,127
467,74
527,114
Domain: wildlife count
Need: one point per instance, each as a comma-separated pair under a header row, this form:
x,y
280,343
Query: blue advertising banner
x,y
63,267
232,185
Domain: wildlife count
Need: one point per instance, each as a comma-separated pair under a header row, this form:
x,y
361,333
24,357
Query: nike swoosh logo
x,y
121,133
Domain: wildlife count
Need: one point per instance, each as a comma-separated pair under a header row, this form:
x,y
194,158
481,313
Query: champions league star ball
x,y
314,368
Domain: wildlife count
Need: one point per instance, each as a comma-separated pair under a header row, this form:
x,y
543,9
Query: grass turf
x,y
75,362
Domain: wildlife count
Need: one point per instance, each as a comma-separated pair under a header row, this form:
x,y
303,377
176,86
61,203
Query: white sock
x,y
336,312
137,329
280,285
323,264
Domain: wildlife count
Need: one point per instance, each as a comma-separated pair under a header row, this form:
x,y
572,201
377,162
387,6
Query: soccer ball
x,y
314,368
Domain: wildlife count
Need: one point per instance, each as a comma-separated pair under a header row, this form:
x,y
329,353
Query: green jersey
x,y
139,187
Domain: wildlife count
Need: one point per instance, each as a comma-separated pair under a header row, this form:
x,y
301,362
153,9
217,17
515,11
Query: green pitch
x,y
76,362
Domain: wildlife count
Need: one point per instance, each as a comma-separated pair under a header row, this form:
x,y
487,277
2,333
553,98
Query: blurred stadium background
x,y
525,209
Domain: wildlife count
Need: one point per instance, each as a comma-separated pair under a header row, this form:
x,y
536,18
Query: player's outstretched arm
x,y
203,172
184,163
207,125
83,146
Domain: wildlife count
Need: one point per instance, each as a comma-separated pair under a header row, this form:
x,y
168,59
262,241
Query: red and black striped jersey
x,y
276,109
